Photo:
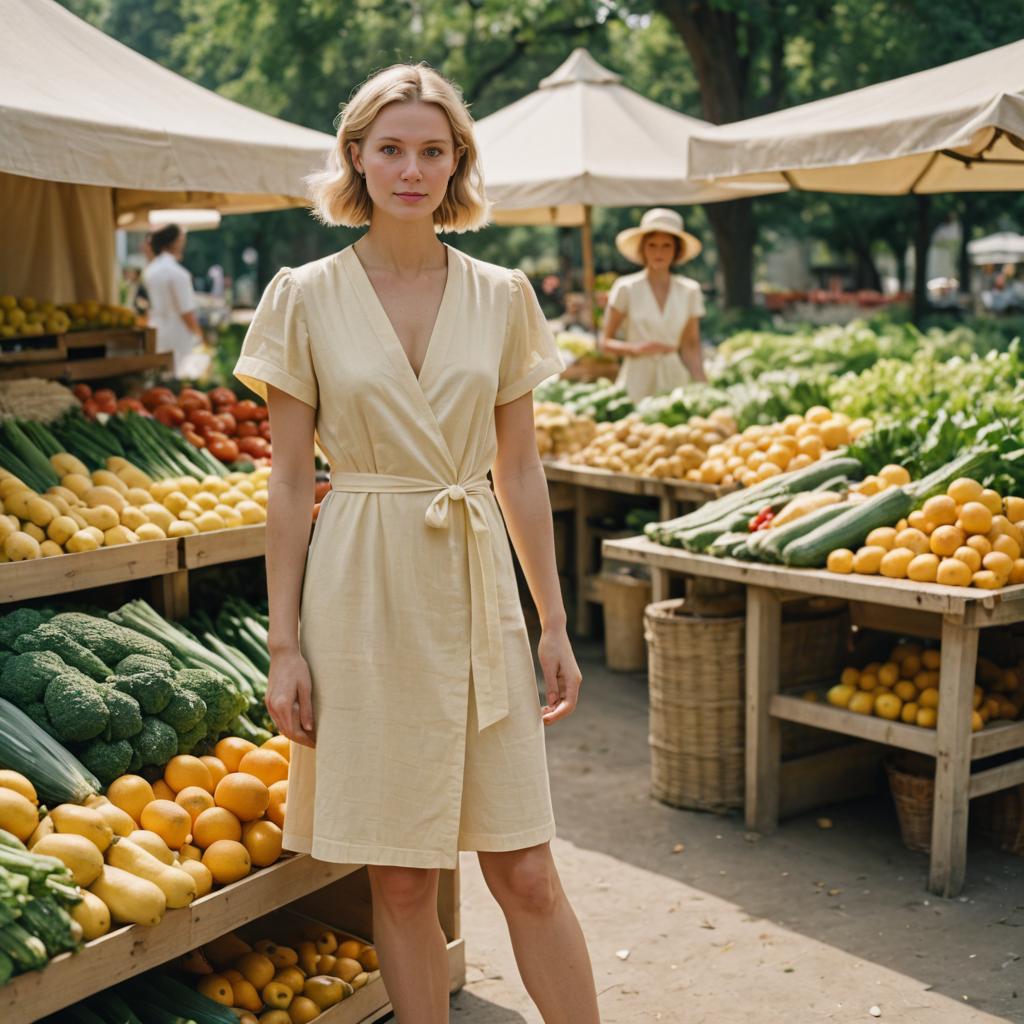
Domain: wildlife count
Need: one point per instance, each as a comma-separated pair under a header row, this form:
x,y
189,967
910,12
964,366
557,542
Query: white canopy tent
x,y
1002,247
954,128
583,139
95,135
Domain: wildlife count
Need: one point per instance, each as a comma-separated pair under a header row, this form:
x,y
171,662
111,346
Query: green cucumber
x,y
724,544
850,529
770,549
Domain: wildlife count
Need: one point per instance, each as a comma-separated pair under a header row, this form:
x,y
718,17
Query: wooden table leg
x,y
169,594
764,748
661,584
953,759
584,561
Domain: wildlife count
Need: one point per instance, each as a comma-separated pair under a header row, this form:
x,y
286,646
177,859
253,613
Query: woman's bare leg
x,y
410,943
546,937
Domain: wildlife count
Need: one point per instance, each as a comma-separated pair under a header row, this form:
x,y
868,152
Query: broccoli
x,y
223,701
25,677
37,712
135,764
21,620
52,638
107,759
151,689
109,641
143,663
125,714
76,707
185,711
157,743
5,656
188,741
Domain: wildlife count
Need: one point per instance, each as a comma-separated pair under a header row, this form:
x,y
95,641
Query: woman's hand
x,y
290,698
651,348
562,678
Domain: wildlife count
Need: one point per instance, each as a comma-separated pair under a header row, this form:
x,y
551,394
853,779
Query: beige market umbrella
x,y
954,128
583,139
93,131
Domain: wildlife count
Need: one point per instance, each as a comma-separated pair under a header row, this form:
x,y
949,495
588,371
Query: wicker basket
x,y
914,796
697,699
999,818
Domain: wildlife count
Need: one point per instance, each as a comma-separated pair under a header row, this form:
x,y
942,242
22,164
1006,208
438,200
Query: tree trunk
x,y
922,243
966,227
733,225
865,273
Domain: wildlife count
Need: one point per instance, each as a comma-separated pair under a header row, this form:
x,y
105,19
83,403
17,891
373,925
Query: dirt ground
x,y
805,925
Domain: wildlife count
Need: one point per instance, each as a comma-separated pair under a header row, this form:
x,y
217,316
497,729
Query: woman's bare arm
x,y
522,492
289,692
689,349
608,343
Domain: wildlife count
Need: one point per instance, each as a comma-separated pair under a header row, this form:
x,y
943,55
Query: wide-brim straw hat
x,y
630,242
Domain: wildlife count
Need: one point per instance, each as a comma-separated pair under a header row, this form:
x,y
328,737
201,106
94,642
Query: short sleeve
x,y
276,349
529,354
618,297
696,298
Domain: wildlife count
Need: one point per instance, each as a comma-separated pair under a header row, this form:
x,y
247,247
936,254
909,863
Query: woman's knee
x,y
524,880
403,889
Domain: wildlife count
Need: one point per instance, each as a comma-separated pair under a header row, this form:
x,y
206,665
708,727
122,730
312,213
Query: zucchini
x,y
850,529
112,1008
26,951
11,841
775,540
724,544
161,989
6,968
57,775
42,918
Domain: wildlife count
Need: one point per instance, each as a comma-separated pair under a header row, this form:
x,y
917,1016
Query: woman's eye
x,y
389,150
433,151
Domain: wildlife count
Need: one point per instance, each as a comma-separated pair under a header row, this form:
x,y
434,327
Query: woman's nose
x,y
411,171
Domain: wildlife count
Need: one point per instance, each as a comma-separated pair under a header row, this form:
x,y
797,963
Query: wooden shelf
x,y
222,546
129,951
64,574
559,471
90,369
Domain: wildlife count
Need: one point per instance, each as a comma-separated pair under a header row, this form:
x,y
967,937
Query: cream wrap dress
x,y
429,736
633,296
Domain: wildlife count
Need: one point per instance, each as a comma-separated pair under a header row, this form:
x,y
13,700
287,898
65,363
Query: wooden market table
x,y
336,894
955,615
590,492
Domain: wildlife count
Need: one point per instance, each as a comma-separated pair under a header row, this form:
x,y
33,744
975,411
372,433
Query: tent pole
x,y
588,260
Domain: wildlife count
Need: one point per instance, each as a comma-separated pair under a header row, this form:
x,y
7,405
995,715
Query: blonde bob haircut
x,y
339,193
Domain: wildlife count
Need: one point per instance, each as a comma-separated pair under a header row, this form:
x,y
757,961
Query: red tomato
x,y
257,447
201,417
108,405
190,394
188,404
90,408
226,450
158,396
193,438
223,396
246,410
169,415
105,395
131,404
228,423
247,429
264,429
82,392
262,412
322,489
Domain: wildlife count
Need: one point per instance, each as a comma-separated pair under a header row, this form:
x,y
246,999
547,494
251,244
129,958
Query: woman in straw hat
x,y
661,310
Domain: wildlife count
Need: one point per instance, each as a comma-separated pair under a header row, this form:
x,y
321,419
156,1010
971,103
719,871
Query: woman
x,y
662,310
407,683
172,301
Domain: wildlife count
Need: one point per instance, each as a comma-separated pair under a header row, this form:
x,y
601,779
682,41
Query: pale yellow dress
x,y
633,296
429,737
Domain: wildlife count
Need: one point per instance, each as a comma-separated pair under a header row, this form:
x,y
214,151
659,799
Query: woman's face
x,y
658,250
408,157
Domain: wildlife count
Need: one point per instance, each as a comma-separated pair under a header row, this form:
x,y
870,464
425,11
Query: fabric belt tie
x,y
487,649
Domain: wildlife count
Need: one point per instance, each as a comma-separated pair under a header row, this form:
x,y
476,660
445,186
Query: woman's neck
x,y
401,247
657,276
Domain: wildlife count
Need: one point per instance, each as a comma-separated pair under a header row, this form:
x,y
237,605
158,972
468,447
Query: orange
x,y
169,821
242,794
185,770
213,824
267,765
227,860
217,768
278,798
161,791
231,750
263,841
131,793
195,800
281,745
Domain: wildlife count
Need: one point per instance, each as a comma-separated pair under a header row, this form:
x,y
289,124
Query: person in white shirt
x,y
661,310
172,301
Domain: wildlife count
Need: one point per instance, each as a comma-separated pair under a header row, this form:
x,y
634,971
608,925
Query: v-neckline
x,y
654,295
386,329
